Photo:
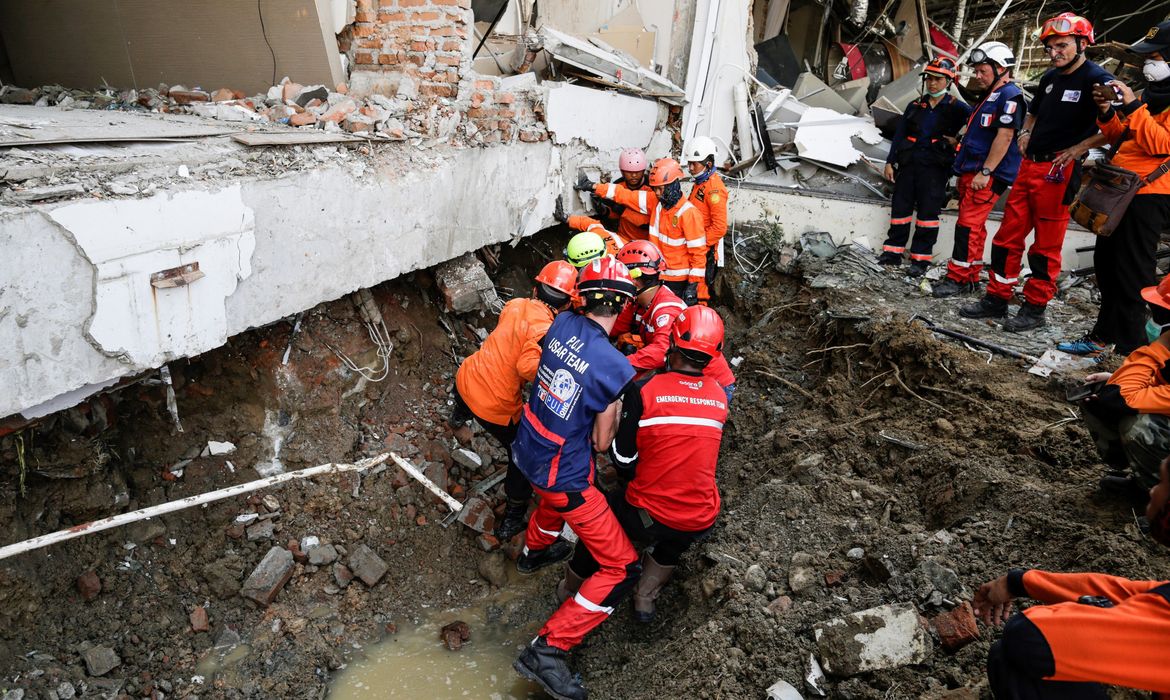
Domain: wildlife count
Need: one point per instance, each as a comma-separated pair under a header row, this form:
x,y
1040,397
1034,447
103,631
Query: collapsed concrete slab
x,y
879,638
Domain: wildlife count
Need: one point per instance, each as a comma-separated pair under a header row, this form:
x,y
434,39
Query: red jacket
x,y
669,435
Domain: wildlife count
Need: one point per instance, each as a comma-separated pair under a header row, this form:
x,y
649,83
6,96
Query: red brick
x,y
505,98
302,119
956,629
834,578
421,45
389,59
411,3
375,43
385,3
426,16
392,17
480,112
199,621
507,113
445,30
365,4
532,135
363,58
438,90
450,45
476,99
484,85
366,17
448,60
89,585
492,137
360,30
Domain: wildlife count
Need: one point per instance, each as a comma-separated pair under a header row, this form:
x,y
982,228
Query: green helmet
x,y
584,248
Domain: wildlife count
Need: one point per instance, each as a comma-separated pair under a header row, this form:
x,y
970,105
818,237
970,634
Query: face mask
x,y
940,93
1156,71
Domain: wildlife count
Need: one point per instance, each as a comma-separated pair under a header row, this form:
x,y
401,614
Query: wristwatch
x,y
985,171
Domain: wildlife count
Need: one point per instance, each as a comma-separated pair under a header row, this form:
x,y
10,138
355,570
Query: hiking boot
x,y
950,288
986,307
889,258
1085,346
654,577
1126,487
546,665
513,522
918,268
569,584
1029,317
532,561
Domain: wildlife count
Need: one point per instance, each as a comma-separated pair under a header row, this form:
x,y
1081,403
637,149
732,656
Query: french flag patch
x,y
1010,107
985,120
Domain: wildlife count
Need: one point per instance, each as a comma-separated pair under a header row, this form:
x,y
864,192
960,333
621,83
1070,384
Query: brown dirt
x,y
804,473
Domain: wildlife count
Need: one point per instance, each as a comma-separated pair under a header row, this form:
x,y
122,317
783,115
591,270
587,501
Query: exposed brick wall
x,y
427,45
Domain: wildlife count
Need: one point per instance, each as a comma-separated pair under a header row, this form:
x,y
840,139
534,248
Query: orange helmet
x,y
603,277
1067,24
641,258
559,275
698,330
1159,295
941,66
665,171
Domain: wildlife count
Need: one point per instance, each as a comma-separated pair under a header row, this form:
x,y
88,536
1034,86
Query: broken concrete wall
x,y
77,310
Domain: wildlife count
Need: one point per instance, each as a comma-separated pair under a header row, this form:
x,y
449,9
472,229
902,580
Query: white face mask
x,y
1156,71
940,93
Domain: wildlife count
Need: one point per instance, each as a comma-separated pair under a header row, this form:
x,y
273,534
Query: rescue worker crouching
x,y
573,411
653,314
709,196
666,448
987,163
488,384
583,249
919,165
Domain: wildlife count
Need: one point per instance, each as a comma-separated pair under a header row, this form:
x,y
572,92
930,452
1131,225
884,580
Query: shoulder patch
x,y
1010,107
700,194
1048,89
993,96
714,197
662,321
1006,119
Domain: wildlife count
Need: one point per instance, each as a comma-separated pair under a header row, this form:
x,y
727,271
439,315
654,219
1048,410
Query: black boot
x,y
889,258
986,307
534,560
513,522
546,665
1029,317
950,288
918,268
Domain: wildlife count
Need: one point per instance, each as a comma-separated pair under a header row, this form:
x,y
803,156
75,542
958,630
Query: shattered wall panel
x,y
606,120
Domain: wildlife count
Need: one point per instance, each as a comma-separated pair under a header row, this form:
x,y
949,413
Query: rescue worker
x,y
1060,127
612,241
654,313
584,248
631,223
1124,261
709,196
919,165
676,226
1129,417
986,164
666,448
573,410
488,384
1095,630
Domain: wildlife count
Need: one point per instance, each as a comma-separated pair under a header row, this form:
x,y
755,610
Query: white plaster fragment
x,y
606,120
826,136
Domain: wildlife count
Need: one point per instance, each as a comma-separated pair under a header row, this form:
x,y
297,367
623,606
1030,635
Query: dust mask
x,y
1156,71
940,93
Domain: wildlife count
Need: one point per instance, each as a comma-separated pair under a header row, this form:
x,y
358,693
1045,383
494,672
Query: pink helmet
x,y
632,160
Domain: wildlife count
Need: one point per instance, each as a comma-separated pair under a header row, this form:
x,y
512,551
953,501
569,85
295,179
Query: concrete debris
x,y
322,555
100,660
367,565
66,691
815,677
263,530
465,284
455,634
467,458
215,449
611,67
342,576
494,569
801,576
879,638
199,620
40,194
783,690
477,514
266,580
956,628
755,579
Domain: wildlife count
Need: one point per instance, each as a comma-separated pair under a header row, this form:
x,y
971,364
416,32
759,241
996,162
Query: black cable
x,y
264,33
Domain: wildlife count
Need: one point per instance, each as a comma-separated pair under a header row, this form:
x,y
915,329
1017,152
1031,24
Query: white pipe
x,y
182,504
698,71
983,37
743,122
409,468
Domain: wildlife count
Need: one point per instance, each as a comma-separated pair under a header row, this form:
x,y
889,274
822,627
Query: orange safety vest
x,y
710,198
490,381
677,232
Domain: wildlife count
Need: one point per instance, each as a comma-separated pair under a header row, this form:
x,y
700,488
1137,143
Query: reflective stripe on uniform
x,y
1004,280
961,263
550,533
590,605
921,257
905,220
894,249
693,272
719,253
926,224
681,420
610,190
642,202
624,460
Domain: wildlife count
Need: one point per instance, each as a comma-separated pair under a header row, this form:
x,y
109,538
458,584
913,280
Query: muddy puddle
x,y
414,663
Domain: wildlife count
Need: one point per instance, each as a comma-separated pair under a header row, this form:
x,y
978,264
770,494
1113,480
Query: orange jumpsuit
x,y
1069,641
490,381
634,222
710,198
677,232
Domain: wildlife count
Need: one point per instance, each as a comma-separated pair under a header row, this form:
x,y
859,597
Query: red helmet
x,y
698,329
1067,24
1159,295
604,275
665,171
641,258
941,66
559,275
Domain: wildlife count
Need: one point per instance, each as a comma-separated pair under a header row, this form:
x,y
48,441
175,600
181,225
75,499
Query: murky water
x,y
414,664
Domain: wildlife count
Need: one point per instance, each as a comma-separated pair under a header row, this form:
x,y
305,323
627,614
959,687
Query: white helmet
x,y
699,149
995,52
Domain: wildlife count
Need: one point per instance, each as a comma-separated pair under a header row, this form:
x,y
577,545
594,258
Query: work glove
x,y
628,349
584,184
559,211
691,294
603,208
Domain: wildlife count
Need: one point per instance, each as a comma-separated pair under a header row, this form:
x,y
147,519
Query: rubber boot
x,y
654,577
513,522
890,258
918,268
532,561
546,665
569,584
986,307
950,288
1029,317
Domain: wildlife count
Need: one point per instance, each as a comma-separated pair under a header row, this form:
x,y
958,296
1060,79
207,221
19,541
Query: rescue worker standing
x,y
488,384
709,196
1096,629
919,165
653,315
987,163
667,447
572,411
1061,126
1124,262
630,223
676,226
